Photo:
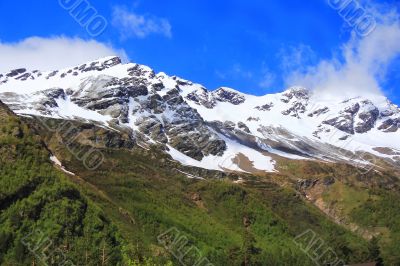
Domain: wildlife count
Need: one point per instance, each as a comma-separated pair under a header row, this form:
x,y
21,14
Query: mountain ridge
x,y
263,196
208,128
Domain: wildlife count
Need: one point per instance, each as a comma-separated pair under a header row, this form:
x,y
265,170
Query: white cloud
x,y
238,70
361,64
268,79
52,53
131,24
296,57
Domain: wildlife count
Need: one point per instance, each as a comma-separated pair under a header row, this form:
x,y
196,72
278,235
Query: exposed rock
x,y
229,125
54,93
225,95
243,127
157,86
304,184
295,93
182,82
152,127
158,109
344,123
345,137
112,62
298,99
138,71
368,119
195,143
296,109
156,104
17,132
99,66
246,221
265,107
329,180
390,125
52,74
196,197
319,111
16,72
24,77
256,119
173,98
353,109
202,97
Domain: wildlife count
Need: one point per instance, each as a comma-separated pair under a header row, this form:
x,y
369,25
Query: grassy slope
x,y
144,195
39,206
367,200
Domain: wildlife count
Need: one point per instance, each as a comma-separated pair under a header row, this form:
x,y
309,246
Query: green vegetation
x,y
383,211
347,197
376,213
42,215
228,223
137,209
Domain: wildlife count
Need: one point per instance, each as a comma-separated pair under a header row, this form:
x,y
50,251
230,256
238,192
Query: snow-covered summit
x,y
206,126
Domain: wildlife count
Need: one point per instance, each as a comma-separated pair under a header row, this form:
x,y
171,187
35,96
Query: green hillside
x,y
139,208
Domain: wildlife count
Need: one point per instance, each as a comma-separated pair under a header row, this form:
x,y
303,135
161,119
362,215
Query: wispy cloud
x,y
131,24
53,53
268,79
240,71
296,57
236,71
361,64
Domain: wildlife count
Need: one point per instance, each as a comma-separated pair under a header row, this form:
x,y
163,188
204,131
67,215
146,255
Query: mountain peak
x,y
100,64
297,90
191,119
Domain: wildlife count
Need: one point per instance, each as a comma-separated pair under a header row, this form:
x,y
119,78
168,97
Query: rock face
x,y
366,117
243,127
166,119
210,99
172,112
202,97
345,123
16,72
390,125
226,95
265,107
303,184
297,100
319,111
356,117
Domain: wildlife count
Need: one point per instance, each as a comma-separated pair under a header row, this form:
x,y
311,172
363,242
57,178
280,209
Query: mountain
x,y
43,215
220,129
112,161
130,209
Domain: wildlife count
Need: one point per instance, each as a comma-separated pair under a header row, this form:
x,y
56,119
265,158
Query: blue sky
x,y
252,46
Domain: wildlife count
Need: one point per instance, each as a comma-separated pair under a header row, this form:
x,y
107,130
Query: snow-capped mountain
x,y
220,129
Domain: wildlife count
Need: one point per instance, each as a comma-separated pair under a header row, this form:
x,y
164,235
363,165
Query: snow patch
x,y
57,162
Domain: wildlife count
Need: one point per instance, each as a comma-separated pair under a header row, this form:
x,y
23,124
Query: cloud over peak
x,y
131,24
361,64
53,53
